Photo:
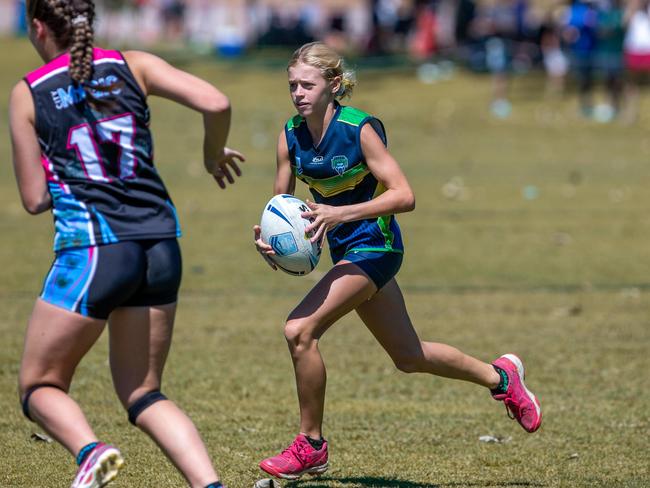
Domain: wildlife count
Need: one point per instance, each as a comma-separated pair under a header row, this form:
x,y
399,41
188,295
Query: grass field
x,y
541,247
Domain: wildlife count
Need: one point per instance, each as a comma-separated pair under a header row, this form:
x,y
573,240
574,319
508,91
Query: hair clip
x,y
79,19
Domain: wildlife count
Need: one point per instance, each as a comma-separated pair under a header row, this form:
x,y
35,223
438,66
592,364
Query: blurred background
x,y
589,46
523,129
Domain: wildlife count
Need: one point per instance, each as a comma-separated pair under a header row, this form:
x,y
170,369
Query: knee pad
x,y
28,393
144,402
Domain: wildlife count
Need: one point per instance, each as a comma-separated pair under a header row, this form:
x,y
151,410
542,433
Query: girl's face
x,y
310,92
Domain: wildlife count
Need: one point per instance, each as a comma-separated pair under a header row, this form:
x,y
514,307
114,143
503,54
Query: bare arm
x,y
30,176
157,77
397,198
285,181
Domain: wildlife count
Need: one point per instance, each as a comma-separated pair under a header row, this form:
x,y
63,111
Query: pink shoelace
x,y
295,450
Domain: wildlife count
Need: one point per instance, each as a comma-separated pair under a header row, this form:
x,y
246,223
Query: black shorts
x,y
93,281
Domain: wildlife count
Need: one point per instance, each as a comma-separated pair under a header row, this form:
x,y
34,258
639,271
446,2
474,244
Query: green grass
x,y
562,279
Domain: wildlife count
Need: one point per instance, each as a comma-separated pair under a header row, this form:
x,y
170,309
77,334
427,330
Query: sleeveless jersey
x,y
99,164
337,174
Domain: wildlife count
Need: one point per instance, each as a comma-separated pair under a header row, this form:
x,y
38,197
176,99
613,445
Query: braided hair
x,y
71,23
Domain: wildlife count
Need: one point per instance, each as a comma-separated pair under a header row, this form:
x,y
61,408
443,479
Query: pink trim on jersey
x,y
106,54
49,170
60,64
51,176
56,64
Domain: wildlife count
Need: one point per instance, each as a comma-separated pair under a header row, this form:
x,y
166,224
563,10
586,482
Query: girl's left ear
x,y
39,29
336,84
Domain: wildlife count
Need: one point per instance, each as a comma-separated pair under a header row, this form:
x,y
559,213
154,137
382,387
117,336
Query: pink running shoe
x,y
520,402
297,459
99,468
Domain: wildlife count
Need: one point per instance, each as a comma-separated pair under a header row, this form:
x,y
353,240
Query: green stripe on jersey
x,y
373,249
384,224
294,121
336,184
352,116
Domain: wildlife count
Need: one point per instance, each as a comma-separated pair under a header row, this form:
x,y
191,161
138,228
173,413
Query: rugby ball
x,y
284,230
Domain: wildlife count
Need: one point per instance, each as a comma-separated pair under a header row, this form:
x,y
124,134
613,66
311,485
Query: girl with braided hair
x,y
82,147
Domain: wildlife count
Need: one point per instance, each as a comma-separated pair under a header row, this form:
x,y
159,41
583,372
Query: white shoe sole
x,y
105,470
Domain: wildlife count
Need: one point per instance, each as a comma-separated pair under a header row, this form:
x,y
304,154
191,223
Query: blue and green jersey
x,y
337,174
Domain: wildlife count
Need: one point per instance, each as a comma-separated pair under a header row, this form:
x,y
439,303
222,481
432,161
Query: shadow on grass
x,y
380,482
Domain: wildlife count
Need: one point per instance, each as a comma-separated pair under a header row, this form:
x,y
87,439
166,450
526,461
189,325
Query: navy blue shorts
x,y
381,267
93,281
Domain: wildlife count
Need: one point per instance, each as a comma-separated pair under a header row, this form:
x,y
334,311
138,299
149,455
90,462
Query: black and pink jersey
x,y
99,164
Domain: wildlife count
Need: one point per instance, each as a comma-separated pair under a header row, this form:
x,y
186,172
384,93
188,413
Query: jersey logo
x,y
317,159
340,164
73,94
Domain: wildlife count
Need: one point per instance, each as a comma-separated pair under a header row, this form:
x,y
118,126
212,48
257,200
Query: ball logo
x,y
283,244
340,164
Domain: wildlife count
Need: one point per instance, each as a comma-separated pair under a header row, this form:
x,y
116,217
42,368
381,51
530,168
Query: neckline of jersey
x,y
337,112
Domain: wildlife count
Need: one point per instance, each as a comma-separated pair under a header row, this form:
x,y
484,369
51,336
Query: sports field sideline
x,y
530,236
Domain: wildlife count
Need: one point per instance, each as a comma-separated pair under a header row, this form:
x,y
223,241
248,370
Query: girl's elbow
x,y
35,206
409,202
217,103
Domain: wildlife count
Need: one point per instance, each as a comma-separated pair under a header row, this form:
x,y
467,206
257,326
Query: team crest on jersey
x,y
340,164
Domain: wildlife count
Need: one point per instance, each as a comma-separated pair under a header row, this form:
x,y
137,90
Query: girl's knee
x,y
129,396
298,333
410,361
407,365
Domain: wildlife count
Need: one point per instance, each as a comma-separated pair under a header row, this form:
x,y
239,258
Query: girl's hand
x,y
222,167
323,218
262,247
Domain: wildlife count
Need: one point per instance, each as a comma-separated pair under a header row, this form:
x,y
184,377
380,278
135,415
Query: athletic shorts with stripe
x,y
93,281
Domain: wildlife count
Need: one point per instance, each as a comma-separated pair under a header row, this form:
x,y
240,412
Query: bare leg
x,y
140,338
340,291
55,342
386,317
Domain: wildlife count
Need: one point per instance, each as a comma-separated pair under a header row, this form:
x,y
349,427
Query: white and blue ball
x,y
284,230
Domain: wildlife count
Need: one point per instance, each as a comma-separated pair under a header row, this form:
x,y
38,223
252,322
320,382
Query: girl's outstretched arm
x,y
159,78
285,181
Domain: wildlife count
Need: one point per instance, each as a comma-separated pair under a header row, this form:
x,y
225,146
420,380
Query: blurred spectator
x,y
391,23
464,19
173,15
423,43
581,33
637,52
20,18
502,26
611,34
556,63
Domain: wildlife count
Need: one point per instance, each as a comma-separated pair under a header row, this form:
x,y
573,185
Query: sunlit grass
x,y
530,235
